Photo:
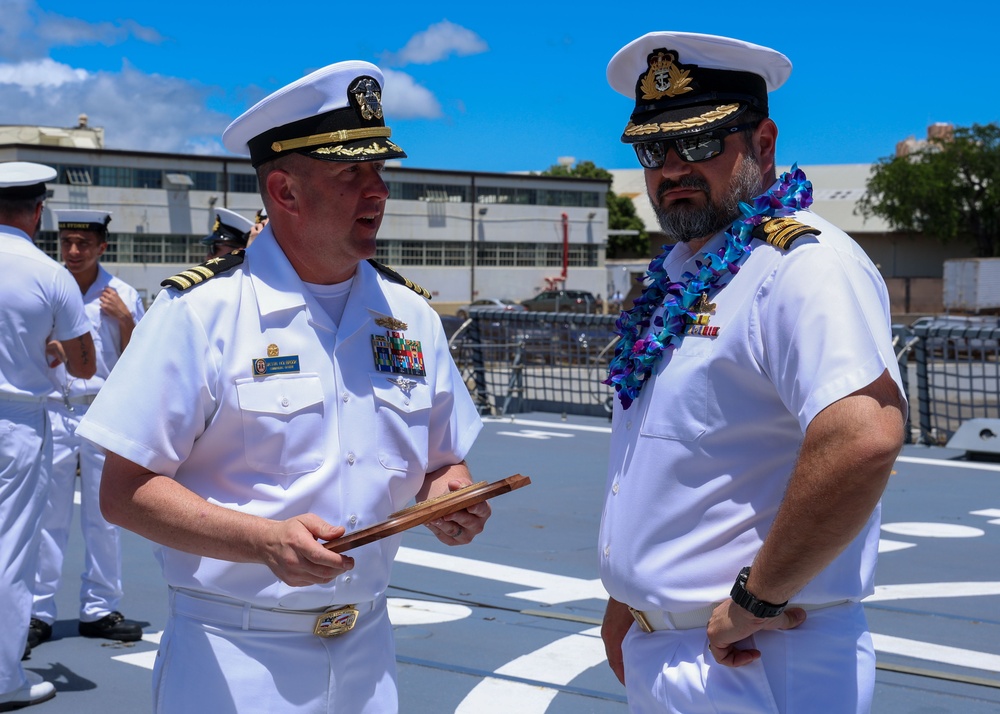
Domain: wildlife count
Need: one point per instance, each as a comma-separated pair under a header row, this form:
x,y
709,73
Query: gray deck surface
x,y
509,623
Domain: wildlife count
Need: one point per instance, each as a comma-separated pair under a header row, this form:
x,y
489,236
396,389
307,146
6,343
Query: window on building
x,y
243,183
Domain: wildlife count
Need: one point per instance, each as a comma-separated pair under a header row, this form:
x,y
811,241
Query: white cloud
x,y
46,73
147,112
436,43
28,32
403,98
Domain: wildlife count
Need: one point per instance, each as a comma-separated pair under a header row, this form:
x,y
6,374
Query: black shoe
x,y
27,651
38,632
112,626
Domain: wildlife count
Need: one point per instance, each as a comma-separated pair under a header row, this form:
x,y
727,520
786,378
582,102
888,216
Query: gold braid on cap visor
x,y
706,118
330,138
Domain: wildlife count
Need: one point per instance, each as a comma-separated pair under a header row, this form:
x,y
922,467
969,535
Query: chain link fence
x,y
517,362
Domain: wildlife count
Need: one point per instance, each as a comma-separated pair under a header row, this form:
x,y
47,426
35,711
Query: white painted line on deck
x,y
532,434
885,545
920,591
993,513
947,463
558,663
547,588
549,425
936,653
146,660
932,530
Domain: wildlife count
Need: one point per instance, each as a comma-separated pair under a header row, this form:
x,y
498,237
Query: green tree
x,y
621,212
949,189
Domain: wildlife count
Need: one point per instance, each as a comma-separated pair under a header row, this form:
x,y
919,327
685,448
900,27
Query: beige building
x,y
912,265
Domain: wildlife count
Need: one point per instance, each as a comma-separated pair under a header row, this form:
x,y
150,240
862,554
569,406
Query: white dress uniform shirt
x,y
101,590
39,300
701,460
337,438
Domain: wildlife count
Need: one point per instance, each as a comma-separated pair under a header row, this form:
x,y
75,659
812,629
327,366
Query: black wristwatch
x,y
757,608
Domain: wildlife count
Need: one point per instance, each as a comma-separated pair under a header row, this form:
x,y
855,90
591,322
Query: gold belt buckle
x,y
336,622
641,620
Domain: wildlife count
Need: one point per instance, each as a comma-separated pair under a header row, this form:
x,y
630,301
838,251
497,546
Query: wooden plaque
x,y
428,510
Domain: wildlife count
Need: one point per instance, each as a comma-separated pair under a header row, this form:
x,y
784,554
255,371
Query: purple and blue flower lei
x,y
637,352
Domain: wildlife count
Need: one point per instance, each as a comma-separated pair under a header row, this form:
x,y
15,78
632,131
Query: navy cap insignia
x,y
664,78
366,96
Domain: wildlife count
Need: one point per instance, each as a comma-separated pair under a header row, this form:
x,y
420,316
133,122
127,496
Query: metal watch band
x,y
757,608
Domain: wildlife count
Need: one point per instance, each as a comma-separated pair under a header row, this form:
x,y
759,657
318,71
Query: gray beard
x,y
684,222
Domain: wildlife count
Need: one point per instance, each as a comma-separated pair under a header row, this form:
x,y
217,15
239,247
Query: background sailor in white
x,y
248,420
39,302
766,436
114,307
230,232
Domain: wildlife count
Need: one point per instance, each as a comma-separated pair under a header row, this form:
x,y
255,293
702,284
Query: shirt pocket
x,y
678,403
402,419
282,422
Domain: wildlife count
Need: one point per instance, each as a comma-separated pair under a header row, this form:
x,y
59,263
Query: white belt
x,y
24,398
329,622
86,399
656,620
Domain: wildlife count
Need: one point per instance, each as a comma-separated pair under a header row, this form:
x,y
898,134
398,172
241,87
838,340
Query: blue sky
x,y
508,86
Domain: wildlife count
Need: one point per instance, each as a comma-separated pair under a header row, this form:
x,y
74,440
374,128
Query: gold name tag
x,y
336,622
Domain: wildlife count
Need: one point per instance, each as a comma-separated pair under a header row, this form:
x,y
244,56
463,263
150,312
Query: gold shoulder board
x,y
397,278
780,232
200,273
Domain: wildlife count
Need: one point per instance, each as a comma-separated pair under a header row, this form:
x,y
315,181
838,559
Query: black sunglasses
x,y
694,148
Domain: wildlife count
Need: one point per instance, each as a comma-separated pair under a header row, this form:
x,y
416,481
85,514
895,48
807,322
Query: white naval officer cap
x,y
83,220
24,179
229,226
686,82
333,114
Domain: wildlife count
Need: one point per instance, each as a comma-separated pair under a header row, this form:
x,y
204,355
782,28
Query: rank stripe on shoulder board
x,y
200,273
781,232
397,278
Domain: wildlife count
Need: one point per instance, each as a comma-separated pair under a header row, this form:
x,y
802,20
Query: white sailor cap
x,y
334,114
24,179
229,226
83,220
685,82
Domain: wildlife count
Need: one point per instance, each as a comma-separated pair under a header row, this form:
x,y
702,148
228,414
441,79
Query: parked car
x,y
496,303
563,301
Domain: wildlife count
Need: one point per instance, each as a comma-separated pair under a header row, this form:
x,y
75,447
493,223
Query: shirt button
x,y
628,424
614,489
348,578
284,401
353,520
406,402
350,457
346,397
607,551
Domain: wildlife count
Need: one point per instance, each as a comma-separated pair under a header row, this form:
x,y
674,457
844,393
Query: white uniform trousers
x,y
826,665
101,585
25,459
217,669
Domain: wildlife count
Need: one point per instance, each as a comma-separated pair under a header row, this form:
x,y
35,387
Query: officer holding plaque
x,y
277,398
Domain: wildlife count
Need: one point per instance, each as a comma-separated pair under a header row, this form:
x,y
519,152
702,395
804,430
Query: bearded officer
x,y
114,307
39,303
300,392
759,410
